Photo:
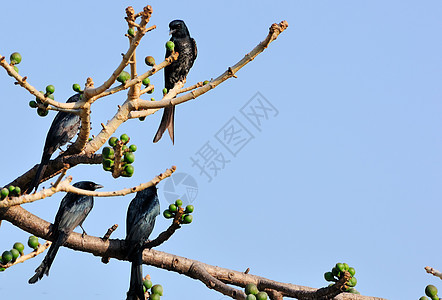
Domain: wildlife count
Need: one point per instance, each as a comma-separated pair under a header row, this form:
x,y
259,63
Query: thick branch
x,y
54,168
117,249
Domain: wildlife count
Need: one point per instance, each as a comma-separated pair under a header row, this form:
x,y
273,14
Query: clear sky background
x,y
347,167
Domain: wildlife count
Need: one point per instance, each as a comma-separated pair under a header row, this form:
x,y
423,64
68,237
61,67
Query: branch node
x,y
109,232
89,82
231,73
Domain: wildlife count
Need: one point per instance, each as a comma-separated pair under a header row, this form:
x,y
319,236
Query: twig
x,y
196,85
106,259
165,235
63,173
41,248
110,231
145,16
433,271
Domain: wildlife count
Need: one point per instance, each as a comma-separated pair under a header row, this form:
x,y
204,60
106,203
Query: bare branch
x,y
196,85
274,32
65,186
433,271
145,16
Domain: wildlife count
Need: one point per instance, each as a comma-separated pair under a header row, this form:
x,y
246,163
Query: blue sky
x,y
346,168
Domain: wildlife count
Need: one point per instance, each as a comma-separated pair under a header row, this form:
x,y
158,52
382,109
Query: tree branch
x,y
116,248
433,271
65,186
54,168
274,32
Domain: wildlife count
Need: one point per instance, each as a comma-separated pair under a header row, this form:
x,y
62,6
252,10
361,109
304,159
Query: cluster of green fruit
x,y
337,273
43,112
430,291
253,293
170,213
15,59
127,159
156,291
13,191
17,250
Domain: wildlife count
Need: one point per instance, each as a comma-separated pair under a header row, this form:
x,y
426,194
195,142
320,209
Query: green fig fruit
x,y
50,89
123,77
125,138
251,289
20,247
113,141
167,214
15,58
108,153
76,87
157,289
33,242
146,81
129,157
170,46
150,61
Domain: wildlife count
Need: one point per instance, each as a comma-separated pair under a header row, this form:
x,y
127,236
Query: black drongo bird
x,y
63,129
176,71
140,220
72,212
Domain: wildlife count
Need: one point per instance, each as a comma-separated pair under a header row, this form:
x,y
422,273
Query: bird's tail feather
x,y
49,258
40,172
136,278
167,122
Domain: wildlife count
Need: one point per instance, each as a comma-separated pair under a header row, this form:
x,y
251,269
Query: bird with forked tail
x,y
176,71
63,128
140,221
72,212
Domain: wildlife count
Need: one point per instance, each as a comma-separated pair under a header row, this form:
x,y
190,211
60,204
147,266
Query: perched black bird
x,y
140,220
176,71
64,127
72,212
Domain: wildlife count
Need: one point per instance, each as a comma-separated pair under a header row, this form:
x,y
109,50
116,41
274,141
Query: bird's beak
x,y
171,31
98,186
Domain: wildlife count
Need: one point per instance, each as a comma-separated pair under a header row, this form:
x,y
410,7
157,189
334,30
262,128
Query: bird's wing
x,y
195,49
73,212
